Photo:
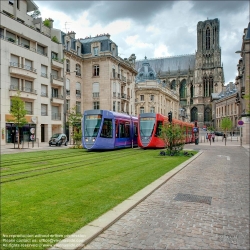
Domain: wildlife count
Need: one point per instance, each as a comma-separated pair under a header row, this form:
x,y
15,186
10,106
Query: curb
x,y
86,234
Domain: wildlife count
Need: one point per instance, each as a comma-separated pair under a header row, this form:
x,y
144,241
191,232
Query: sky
x,y
154,28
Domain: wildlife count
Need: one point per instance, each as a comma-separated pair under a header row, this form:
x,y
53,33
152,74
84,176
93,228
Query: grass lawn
x,y
51,194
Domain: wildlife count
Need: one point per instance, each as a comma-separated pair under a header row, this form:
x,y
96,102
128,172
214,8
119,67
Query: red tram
x,y
149,130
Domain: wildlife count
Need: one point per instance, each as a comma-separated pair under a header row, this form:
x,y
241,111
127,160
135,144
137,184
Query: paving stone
x,y
160,222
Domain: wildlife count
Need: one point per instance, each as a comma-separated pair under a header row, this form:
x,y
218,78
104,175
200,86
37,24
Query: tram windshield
x,y
146,126
92,125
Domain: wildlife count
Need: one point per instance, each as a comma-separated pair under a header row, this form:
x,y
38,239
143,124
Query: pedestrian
x,y
207,136
233,133
224,137
213,136
230,133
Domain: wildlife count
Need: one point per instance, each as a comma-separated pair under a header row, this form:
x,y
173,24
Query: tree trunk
x,y
18,138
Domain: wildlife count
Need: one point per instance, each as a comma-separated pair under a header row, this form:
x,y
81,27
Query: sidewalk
x,y
201,204
9,147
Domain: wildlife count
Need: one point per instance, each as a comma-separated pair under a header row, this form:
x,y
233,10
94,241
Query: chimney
x,y
72,34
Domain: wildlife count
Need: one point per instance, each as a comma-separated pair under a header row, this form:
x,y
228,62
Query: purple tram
x,y
105,130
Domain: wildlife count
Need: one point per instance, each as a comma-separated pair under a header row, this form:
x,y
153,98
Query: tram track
x,y
61,167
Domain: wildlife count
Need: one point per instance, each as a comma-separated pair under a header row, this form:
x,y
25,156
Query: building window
x,y
28,87
54,55
151,98
114,106
67,65
14,83
173,85
54,92
141,110
183,89
44,71
96,89
207,115
44,109
44,90
152,109
78,89
118,106
96,51
67,87
41,50
28,65
28,107
78,70
96,70
78,107
96,105
142,97
207,38
67,105
194,114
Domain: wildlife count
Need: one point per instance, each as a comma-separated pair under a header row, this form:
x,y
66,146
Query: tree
x,y
47,23
18,113
226,125
55,39
74,121
173,137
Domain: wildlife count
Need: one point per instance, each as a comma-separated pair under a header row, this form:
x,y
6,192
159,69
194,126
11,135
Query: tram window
x,y
107,128
122,130
127,129
116,129
135,130
158,129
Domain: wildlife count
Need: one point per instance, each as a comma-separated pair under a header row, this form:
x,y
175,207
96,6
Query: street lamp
x,y
64,98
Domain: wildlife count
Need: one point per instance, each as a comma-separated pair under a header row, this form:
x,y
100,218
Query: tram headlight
x,y
93,139
86,139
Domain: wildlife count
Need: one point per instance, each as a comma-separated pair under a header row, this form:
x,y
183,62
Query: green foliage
x,y
55,39
173,137
47,23
74,121
226,124
18,112
210,128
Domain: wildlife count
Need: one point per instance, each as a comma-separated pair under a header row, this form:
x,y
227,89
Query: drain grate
x,y
193,198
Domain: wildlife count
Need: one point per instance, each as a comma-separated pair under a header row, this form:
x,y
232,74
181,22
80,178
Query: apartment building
x,y
152,95
243,84
225,105
26,67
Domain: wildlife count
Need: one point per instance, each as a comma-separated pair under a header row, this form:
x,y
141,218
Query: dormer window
x,y
96,51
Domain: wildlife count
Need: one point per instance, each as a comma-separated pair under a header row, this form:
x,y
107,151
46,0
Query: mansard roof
x,y
169,65
229,90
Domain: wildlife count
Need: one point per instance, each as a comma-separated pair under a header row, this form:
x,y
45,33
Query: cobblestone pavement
x,y
219,175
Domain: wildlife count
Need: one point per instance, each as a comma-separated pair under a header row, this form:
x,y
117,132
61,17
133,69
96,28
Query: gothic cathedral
x,y
194,77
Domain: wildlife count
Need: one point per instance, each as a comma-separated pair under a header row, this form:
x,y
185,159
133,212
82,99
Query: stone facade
x,y
243,85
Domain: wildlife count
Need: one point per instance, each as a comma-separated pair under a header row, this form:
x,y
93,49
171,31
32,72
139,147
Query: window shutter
x,y
67,84
96,87
14,59
78,86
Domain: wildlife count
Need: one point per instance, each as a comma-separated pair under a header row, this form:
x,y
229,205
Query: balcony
x,y
23,70
124,96
242,90
114,94
26,93
57,63
57,99
124,79
44,94
55,80
78,74
115,75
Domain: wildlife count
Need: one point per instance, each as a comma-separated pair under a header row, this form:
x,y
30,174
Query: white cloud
x,y
161,51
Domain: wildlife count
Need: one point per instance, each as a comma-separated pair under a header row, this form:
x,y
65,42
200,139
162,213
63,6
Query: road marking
x,y
228,158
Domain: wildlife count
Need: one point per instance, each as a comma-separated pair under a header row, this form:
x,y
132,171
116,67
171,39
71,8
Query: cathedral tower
x,y
209,77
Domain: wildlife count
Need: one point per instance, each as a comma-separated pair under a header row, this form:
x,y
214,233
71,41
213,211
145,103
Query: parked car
x,y
58,139
218,133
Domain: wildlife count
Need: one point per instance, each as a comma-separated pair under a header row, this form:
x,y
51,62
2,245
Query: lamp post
x,y
64,99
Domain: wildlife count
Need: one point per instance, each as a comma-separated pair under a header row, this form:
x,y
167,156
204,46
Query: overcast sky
x,y
154,28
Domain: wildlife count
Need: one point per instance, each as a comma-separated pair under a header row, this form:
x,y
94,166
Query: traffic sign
x,y
240,123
